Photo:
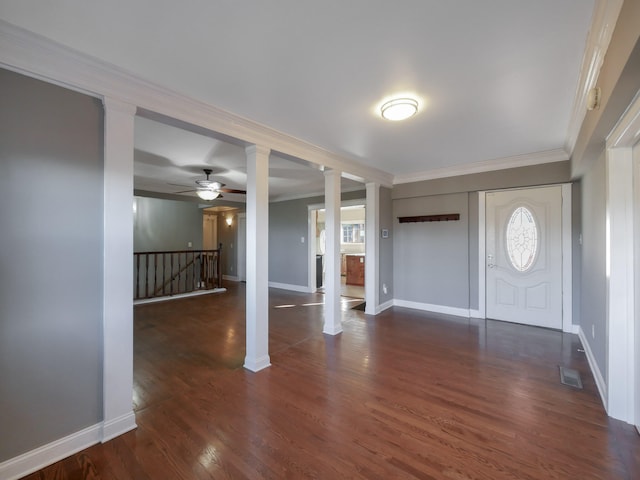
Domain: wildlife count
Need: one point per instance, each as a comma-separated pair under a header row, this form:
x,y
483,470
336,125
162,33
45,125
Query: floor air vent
x,y
570,377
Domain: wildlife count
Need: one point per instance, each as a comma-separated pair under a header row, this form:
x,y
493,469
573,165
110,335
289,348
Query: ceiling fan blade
x,y
232,190
185,191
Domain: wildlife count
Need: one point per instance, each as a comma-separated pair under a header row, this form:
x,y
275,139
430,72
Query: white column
x,y
332,313
257,311
118,268
372,249
620,277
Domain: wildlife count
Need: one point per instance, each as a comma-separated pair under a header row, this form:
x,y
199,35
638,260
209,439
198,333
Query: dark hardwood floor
x,y
405,394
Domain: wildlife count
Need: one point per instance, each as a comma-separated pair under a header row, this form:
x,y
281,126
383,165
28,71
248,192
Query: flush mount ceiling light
x,y
399,109
206,194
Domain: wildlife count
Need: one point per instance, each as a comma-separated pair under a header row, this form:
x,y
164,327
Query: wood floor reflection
x,y
404,394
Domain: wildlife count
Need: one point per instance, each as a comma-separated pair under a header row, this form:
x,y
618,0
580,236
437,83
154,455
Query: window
x,y
353,233
522,239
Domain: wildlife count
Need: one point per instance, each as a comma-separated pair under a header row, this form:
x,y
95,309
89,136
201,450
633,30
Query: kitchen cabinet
x,y
355,270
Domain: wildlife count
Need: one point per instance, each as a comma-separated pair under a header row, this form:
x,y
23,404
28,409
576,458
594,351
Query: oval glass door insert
x,y
522,239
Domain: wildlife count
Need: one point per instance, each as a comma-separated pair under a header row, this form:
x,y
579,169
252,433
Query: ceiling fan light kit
x,y
206,194
210,190
399,109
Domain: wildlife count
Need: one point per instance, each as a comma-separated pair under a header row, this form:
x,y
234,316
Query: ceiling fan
x,y
209,189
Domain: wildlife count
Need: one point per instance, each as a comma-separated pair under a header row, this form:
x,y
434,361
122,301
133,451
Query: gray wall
x,y
548,173
473,251
619,80
385,267
431,262
51,213
594,287
288,222
228,236
163,225
445,270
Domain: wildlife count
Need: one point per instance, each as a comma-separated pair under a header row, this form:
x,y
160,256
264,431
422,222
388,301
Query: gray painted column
x,y
257,311
372,249
118,265
332,313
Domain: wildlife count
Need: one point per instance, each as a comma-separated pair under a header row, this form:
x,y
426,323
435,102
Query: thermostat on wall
x,y
384,233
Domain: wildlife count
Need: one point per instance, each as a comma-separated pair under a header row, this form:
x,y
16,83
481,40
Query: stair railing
x,y
167,273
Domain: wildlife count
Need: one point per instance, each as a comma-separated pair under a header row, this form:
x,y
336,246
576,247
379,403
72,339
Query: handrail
x,y
172,272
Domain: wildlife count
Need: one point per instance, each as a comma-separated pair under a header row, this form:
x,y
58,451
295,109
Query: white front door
x,y
524,256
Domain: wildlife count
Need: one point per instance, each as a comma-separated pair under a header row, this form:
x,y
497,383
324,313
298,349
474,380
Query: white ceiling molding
x,y
25,52
516,161
605,15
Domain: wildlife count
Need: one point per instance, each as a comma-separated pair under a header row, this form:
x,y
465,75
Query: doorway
x,y
524,256
352,248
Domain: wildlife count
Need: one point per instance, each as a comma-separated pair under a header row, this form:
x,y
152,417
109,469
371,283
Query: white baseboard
x,y
428,307
41,457
181,295
232,278
116,427
475,313
575,329
293,288
255,365
597,375
384,306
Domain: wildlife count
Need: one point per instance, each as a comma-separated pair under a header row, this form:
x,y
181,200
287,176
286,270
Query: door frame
x,y
311,243
622,254
567,265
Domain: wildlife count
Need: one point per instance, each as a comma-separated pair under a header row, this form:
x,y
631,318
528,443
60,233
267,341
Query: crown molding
x,y
516,161
36,56
605,15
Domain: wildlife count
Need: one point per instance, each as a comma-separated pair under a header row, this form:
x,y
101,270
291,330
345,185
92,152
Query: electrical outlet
x,y
593,331
301,239
384,288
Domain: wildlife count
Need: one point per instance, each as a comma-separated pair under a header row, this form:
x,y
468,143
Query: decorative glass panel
x,y
522,239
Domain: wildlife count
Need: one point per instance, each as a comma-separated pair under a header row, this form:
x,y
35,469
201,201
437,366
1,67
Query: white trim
x,y
475,314
176,297
620,260
257,287
293,288
258,364
298,196
55,451
117,426
384,306
231,278
117,322
37,56
603,22
549,156
372,249
428,307
332,312
597,375
567,260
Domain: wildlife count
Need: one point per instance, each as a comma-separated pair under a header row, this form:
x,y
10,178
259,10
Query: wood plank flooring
x,y
405,394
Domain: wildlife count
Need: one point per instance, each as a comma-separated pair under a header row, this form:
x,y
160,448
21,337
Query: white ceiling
x,y
495,78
